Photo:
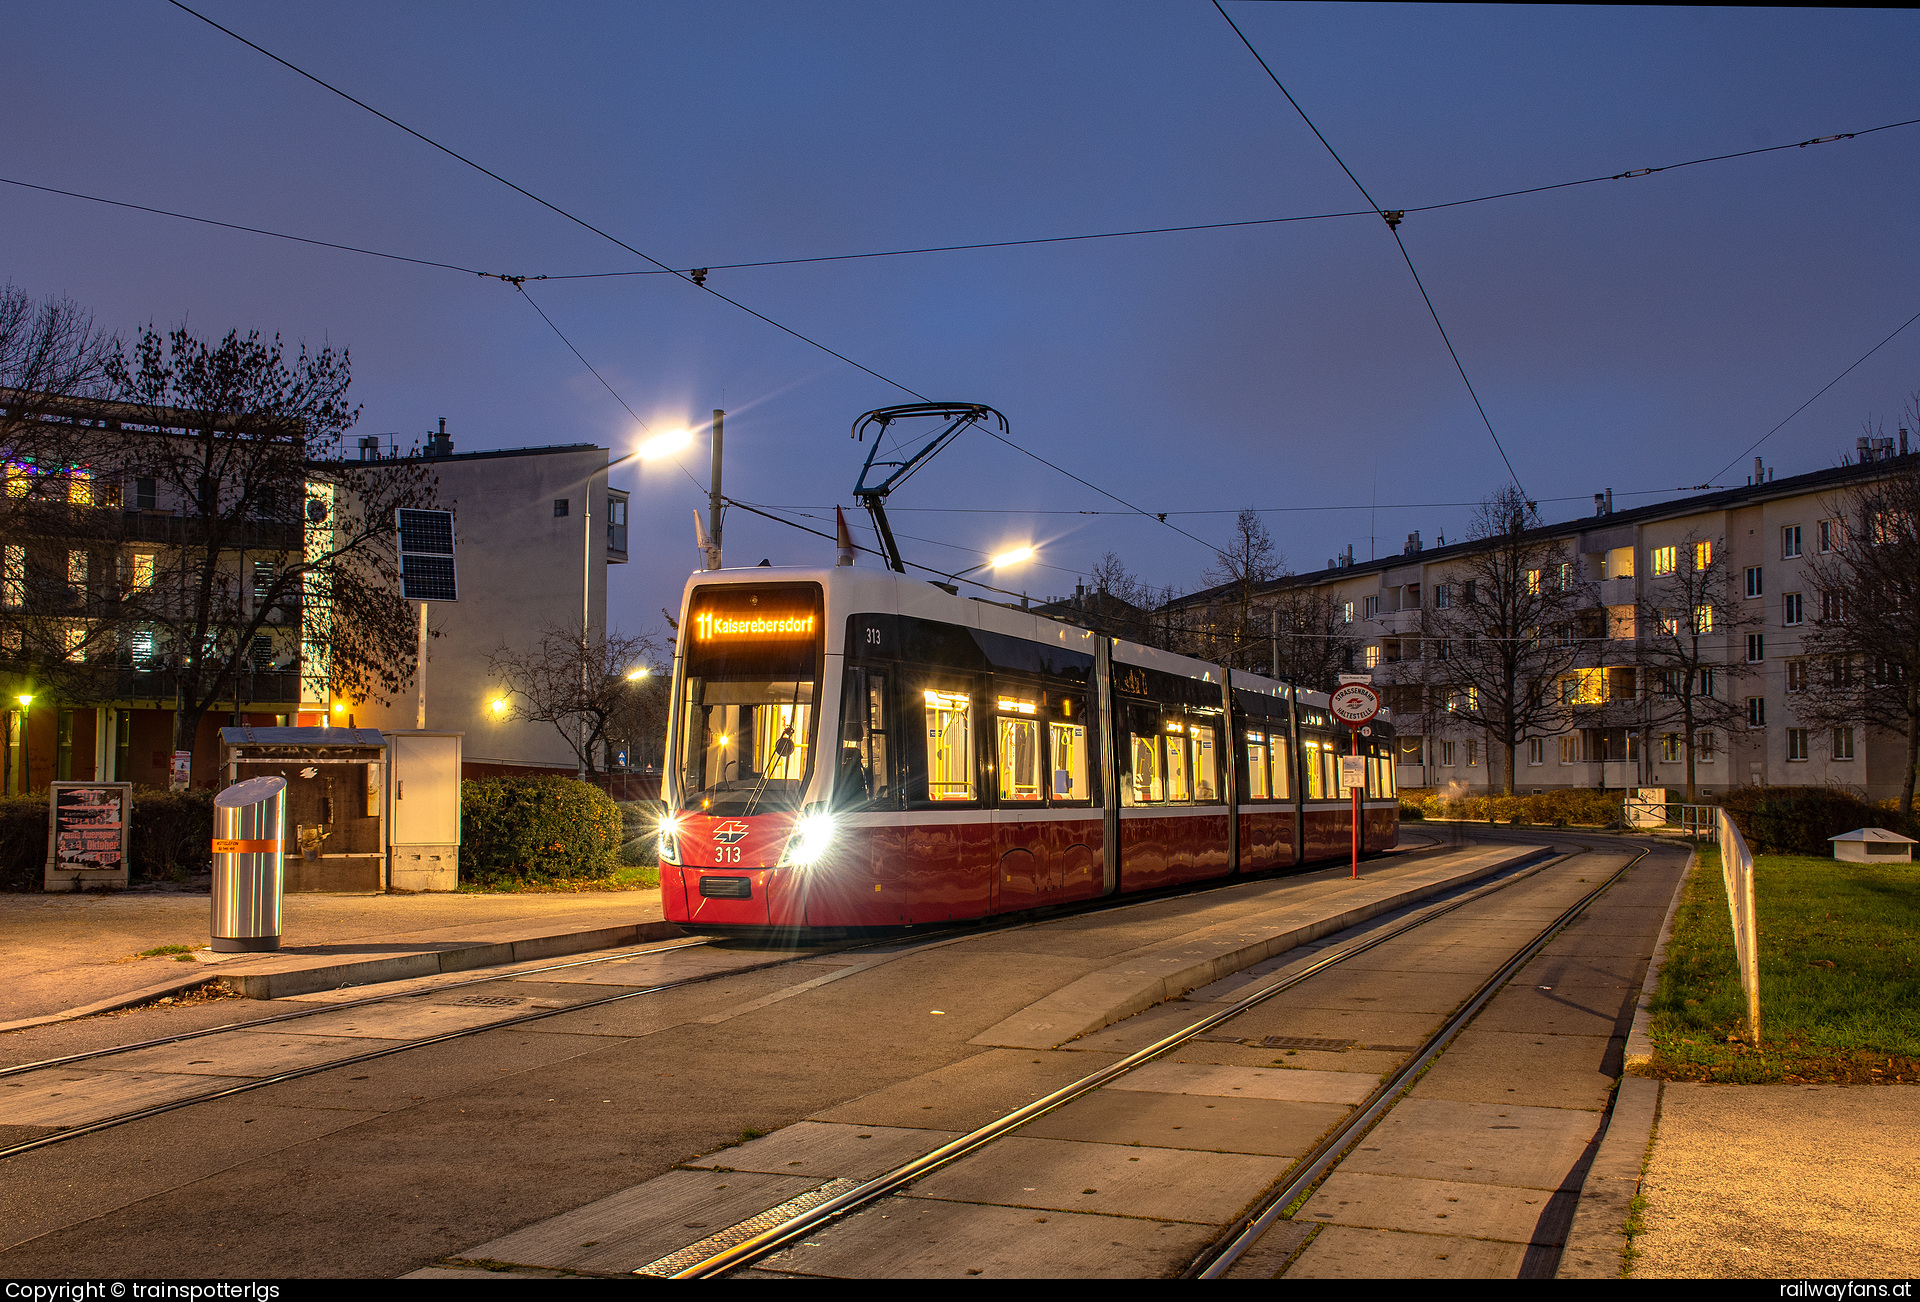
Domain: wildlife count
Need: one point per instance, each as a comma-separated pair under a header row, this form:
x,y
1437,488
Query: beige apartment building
x,y
1618,730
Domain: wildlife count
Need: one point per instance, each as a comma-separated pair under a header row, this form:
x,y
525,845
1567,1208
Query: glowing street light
x,y
665,445
637,674
1013,557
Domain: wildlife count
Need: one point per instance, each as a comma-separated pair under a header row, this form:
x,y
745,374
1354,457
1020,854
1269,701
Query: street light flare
x,y
1009,558
664,445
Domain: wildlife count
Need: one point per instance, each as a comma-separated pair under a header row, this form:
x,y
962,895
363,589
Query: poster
x,y
87,844
180,772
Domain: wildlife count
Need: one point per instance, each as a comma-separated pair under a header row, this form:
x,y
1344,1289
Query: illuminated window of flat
x,y
1372,657
1702,555
1619,563
13,576
77,569
1665,560
143,570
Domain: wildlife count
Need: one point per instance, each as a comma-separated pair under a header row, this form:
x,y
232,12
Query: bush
x,y
1411,809
537,830
172,837
1798,820
1575,805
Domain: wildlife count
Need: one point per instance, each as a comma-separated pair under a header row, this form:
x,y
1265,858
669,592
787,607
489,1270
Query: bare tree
x,y
1505,630
278,551
1310,639
1691,626
1245,565
1863,665
51,354
586,688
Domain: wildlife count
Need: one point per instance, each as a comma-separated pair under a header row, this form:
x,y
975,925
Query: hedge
x,y
1574,805
1798,820
172,837
537,830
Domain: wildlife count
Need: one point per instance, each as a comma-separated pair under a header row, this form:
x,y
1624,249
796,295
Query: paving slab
x,y
637,1226
404,1019
73,1097
1385,1202
969,1093
1340,1252
1199,957
1296,1086
1274,1127
1112,1179
909,1238
1538,1069
1480,1143
237,1053
825,1151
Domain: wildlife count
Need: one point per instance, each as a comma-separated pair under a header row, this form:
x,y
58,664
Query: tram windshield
x,y
745,732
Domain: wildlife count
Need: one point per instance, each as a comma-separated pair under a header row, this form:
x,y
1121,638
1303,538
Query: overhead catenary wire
x,y
1393,218
1132,233
697,282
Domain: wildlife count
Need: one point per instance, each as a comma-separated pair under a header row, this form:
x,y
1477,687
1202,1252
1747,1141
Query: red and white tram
x,y
853,748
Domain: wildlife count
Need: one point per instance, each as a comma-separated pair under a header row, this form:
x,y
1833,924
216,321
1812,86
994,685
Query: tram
x,y
854,748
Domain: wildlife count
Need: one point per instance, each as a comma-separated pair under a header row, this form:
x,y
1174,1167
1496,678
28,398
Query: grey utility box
x,y
249,835
423,823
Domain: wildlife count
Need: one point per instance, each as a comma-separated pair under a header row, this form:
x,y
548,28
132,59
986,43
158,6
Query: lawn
x,y
1839,985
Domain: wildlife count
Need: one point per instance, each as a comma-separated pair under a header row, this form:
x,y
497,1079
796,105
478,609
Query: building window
x,y
1443,597
1370,607
559,507
1533,581
77,570
1346,612
1756,711
1756,647
1796,675
260,654
1793,609
1702,555
1833,535
1796,743
1703,619
1833,607
1843,743
1670,748
1755,586
144,495
13,576
1446,754
617,524
1706,683
1573,749
1703,747
1842,677
1536,750
1665,560
1372,657
1790,542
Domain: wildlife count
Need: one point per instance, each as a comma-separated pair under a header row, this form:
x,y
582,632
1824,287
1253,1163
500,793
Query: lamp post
x,y
26,754
665,445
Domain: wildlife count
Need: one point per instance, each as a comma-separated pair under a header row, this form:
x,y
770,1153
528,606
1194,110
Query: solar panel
x,y
426,556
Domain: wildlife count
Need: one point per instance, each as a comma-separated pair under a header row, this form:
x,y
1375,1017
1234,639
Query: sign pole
x,y
1354,703
1355,734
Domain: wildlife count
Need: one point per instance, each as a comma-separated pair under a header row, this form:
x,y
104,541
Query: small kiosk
x,y
336,816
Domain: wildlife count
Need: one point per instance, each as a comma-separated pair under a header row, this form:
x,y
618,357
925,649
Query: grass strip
x,y
1839,984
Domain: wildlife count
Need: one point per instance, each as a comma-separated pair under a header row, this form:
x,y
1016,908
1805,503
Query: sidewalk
x,y
67,953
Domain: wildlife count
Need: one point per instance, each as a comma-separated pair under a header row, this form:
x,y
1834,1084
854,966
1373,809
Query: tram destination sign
x,y
1354,704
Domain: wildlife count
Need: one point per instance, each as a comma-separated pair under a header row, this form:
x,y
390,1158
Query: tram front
x,y
740,749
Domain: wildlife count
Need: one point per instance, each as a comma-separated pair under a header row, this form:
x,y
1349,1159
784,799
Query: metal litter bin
x,y
249,834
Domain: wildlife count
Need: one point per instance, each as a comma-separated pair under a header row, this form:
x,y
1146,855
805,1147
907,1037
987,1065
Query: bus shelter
x,y
336,809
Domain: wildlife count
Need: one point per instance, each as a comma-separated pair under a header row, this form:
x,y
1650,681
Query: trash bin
x,y
249,829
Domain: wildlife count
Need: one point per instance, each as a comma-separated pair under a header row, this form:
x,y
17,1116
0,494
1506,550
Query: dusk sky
x,y
1630,334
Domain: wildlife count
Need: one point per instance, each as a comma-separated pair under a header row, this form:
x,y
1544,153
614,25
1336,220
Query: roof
x,y
311,737
1873,834
1726,499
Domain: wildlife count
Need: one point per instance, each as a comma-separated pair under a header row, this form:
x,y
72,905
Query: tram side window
x,y
950,774
1146,785
1280,752
863,778
1017,727
1203,755
1316,766
1258,785
1175,754
1068,735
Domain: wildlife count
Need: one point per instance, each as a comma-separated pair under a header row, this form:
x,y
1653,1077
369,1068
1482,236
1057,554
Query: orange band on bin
x,y
245,847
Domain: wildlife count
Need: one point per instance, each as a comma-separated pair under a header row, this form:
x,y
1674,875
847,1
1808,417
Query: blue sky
x,y
1633,335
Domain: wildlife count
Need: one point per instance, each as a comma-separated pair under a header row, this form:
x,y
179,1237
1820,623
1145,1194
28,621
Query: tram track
x,y
916,942
757,1239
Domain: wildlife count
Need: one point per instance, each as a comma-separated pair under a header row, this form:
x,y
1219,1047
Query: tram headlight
x,y
811,838
670,840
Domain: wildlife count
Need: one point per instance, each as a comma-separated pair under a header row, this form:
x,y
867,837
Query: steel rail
x,y
224,1027
1218,1258
807,1221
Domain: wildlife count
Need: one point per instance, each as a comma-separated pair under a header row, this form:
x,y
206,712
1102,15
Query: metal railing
x,y
1697,822
1736,867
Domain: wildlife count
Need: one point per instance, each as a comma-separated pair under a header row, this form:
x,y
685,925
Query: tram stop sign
x,y
1354,704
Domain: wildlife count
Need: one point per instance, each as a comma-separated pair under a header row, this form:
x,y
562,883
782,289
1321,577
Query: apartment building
x,y
536,529
1615,724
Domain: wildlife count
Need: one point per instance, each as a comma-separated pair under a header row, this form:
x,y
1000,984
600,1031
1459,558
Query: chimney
x,y
1903,442
439,445
1609,501
369,447
1863,450
1599,504
1759,472
1413,543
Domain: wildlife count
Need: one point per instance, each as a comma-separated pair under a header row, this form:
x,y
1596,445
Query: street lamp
x,y
1013,557
665,445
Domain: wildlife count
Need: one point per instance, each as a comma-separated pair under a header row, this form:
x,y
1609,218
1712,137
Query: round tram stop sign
x,y
1354,704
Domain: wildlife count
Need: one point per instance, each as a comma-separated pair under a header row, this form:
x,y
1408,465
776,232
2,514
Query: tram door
x,y
1019,820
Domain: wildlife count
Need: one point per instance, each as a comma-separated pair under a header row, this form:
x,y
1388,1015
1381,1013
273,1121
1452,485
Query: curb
x,y
1131,985
360,972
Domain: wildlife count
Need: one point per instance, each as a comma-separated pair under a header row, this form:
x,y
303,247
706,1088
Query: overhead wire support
x,y
1393,218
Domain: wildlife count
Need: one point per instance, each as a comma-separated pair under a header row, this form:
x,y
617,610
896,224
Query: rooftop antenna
x,y
958,415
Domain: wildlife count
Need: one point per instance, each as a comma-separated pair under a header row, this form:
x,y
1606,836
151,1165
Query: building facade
x,y
1616,724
